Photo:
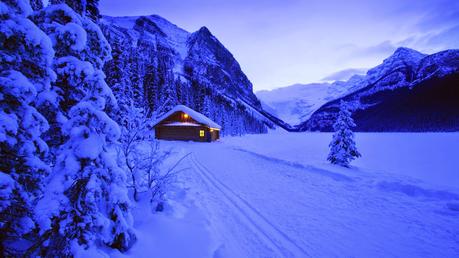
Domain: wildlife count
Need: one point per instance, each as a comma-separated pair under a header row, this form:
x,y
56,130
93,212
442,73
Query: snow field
x,y
275,195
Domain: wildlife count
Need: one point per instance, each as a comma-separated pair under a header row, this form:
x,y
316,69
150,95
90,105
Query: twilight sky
x,y
282,42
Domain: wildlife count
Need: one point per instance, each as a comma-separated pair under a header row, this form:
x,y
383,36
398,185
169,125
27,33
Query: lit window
x,y
201,133
185,116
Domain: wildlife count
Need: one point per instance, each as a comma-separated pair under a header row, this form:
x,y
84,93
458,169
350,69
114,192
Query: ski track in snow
x,y
282,243
308,168
389,186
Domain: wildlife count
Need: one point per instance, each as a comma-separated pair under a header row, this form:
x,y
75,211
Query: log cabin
x,y
185,124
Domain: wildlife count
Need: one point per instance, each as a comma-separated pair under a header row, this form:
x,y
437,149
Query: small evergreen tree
x,y
342,146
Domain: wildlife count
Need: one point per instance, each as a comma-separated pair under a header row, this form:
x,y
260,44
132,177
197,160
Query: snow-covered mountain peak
x,y
166,25
206,49
204,36
155,25
128,22
402,59
408,53
297,102
172,31
403,56
204,30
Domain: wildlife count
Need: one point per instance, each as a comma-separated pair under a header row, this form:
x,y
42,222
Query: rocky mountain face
x,y
157,65
409,91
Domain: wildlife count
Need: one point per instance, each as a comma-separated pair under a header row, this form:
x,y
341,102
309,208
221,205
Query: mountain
x,y
295,104
157,65
409,91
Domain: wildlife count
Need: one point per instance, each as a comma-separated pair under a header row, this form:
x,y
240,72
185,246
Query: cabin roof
x,y
181,124
198,117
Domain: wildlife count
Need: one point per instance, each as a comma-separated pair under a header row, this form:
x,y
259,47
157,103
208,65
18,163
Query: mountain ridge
x,y
405,73
168,66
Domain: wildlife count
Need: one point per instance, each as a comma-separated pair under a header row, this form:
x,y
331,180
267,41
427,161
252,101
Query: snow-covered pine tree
x,y
92,10
149,88
169,98
117,71
36,4
342,146
86,203
25,71
88,8
81,51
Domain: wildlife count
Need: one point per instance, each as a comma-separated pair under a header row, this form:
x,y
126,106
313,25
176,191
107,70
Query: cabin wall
x,y
185,133
215,135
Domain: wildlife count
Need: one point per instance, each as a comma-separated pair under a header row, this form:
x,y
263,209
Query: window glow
x,y
201,133
185,116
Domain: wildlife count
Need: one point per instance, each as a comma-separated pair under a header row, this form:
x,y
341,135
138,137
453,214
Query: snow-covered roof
x,y
198,117
181,124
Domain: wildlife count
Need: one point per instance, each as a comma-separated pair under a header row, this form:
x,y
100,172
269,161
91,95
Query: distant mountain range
x,y
296,103
409,91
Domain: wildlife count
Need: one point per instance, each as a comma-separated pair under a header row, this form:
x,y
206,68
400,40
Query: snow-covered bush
x,y
342,146
140,155
87,203
25,72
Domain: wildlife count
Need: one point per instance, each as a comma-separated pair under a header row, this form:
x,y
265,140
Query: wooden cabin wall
x,y
215,135
185,133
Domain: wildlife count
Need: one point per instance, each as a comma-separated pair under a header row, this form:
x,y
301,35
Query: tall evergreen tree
x,y
25,72
89,8
87,204
92,10
150,86
342,146
118,71
169,98
36,4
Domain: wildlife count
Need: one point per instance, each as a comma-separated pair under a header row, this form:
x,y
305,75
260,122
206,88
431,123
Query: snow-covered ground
x,y
274,195
427,157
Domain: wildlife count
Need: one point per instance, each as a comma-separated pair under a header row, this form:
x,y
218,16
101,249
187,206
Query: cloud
x,y
448,38
344,75
384,48
440,16
432,42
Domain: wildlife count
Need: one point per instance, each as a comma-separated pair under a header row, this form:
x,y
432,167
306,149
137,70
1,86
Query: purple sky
x,y
282,42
